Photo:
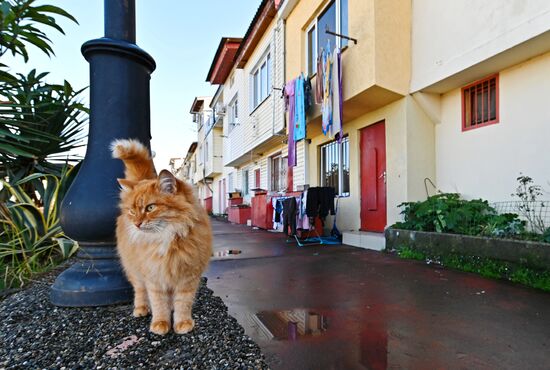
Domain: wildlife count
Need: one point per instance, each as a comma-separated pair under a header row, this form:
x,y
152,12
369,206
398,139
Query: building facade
x,y
433,92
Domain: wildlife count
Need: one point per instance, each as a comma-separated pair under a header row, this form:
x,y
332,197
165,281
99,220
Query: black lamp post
x,y
119,108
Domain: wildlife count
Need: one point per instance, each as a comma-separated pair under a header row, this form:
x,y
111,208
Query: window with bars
x,y
335,166
278,173
480,103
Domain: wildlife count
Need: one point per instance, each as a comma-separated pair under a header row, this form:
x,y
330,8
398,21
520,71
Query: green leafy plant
x,y
19,21
39,124
506,225
546,235
31,239
449,213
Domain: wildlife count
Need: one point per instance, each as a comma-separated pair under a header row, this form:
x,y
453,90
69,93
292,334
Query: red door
x,y
373,177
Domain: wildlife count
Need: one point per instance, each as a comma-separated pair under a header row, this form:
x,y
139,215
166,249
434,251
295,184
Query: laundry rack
x,y
316,239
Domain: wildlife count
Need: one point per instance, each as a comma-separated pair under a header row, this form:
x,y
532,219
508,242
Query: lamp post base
x,y
92,282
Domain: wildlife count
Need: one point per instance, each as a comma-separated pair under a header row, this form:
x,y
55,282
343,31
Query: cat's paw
x,y
159,327
141,311
184,326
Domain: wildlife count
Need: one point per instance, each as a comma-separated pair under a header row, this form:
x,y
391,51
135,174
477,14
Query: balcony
x,y
376,70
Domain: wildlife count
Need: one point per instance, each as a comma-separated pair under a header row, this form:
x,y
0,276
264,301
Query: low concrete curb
x,y
528,253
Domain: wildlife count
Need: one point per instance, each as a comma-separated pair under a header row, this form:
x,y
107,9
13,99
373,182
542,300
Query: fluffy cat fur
x,y
163,238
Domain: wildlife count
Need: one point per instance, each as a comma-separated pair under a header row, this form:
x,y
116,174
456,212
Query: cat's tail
x,y
137,160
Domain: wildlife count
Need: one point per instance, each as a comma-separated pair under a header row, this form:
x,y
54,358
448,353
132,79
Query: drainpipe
x,y
273,82
276,29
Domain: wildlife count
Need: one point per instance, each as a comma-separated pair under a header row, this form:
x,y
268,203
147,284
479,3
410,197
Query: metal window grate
x,y
335,166
480,103
278,173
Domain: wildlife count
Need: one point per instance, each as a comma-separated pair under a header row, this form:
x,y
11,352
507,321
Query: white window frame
x,y
340,154
314,24
233,108
257,85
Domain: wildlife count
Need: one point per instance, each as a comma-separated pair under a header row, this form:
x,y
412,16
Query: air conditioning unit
x,y
221,111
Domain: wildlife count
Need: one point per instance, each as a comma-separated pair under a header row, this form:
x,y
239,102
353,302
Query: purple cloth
x,y
339,92
290,102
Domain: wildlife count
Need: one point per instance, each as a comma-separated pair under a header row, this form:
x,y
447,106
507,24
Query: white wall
x,y
450,36
485,162
257,126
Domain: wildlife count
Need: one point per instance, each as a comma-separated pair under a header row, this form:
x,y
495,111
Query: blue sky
x,y
181,35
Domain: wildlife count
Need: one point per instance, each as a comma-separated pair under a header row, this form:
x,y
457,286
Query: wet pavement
x,y
339,307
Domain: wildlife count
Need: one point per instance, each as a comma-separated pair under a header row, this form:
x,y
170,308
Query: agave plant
x,y
31,239
40,125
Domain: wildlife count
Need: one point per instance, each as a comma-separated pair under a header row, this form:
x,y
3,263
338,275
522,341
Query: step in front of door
x,y
366,240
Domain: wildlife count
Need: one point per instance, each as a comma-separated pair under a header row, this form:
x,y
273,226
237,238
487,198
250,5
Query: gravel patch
x,y
36,334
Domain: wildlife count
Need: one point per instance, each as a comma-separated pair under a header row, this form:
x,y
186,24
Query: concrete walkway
x,y
339,307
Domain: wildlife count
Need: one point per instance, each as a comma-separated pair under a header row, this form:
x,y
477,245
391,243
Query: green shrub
x,y
448,213
546,235
31,239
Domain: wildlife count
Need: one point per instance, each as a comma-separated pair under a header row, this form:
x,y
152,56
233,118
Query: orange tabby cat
x,y
163,238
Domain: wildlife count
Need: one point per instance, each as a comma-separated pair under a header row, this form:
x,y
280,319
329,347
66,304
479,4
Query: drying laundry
x,y
336,127
289,219
320,201
328,91
326,106
290,104
300,113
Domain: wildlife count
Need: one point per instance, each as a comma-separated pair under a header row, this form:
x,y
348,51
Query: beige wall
x,y
256,126
409,159
381,56
485,162
450,36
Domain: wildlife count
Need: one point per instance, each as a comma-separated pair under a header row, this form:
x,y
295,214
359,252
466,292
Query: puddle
x,y
291,324
227,252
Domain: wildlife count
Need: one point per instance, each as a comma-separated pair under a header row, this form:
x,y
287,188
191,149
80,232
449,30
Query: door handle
x,y
383,175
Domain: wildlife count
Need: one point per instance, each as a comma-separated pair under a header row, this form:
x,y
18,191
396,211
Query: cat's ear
x,y
126,185
167,182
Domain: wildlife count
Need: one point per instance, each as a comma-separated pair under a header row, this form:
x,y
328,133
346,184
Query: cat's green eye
x,y
149,208
131,212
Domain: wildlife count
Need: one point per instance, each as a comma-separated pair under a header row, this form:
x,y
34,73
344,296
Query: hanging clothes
x,y
320,201
336,127
290,104
300,113
302,221
289,215
312,202
308,100
326,106
319,85
326,201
